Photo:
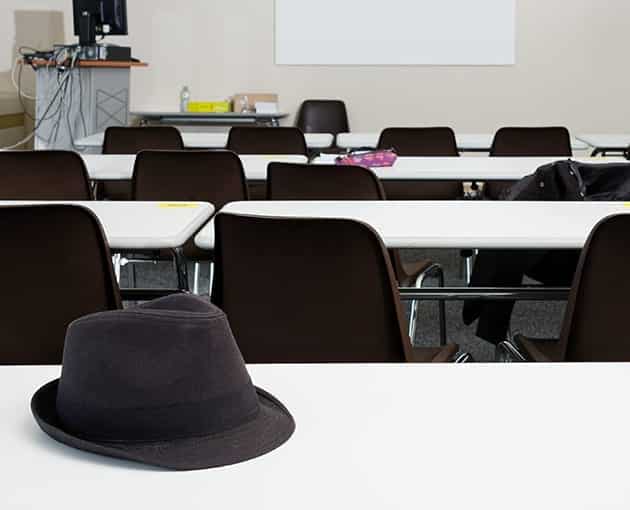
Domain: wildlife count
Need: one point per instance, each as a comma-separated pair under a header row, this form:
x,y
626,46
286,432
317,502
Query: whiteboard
x,y
395,32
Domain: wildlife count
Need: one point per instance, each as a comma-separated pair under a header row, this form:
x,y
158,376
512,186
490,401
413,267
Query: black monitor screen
x,y
110,15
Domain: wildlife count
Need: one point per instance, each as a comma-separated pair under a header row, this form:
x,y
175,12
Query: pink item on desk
x,y
372,159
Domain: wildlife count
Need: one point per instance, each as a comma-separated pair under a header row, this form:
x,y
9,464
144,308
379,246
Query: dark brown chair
x,y
323,116
323,313
267,140
421,142
43,175
526,142
190,176
60,269
595,327
292,181
287,181
132,140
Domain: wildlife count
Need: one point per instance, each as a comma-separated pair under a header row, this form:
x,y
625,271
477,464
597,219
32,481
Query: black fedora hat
x,y
163,384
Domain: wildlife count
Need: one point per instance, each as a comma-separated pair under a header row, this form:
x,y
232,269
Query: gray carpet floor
x,y
541,320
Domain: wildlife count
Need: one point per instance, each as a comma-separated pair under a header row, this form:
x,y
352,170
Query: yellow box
x,y
209,107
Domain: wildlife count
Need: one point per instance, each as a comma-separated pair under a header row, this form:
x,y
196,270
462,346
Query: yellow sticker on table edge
x,y
177,205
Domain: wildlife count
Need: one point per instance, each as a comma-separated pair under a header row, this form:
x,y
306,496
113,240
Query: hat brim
x,y
273,426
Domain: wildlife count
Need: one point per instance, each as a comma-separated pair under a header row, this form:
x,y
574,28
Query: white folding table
x,y
465,142
120,167
209,118
115,167
603,144
453,225
463,169
449,224
209,140
374,437
145,225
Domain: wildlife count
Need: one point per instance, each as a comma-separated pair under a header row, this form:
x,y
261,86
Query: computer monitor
x,y
99,17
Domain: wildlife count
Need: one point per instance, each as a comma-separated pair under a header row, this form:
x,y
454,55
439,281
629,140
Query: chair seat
x,y
541,350
434,354
408,272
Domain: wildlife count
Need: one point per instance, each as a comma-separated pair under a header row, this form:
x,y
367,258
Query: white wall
x,y
572,66
483,32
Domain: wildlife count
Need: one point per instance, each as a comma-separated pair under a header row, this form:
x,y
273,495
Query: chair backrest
x,y
420,142
267,140
202,176
532,142
131,140
60,270
526,142
596,326
43,175
323,116
289,181
307,291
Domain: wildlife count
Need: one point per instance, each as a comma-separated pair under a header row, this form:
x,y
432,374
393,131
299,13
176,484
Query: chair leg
x,y
463,357
442,309
196,278
210,278
436,270
470,262
413,320
508,352
469,268
116,262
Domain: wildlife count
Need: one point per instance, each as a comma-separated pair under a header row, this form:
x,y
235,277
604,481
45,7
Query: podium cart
x,y
77,101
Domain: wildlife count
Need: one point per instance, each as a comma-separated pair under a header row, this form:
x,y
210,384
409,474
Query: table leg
x,y
181,268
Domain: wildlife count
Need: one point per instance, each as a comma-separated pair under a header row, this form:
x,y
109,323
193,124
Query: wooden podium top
x,y
95,63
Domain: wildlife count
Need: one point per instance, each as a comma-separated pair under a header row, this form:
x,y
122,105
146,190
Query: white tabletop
x,y
460,224
319,140
144,225
610,142
464,169
115,167
446,437
120,167
465,142
210,140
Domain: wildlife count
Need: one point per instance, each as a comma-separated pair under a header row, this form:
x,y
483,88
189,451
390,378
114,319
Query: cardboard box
x,y
267,108
252,99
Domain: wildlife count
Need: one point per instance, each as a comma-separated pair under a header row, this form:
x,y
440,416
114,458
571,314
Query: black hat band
x,y
177,421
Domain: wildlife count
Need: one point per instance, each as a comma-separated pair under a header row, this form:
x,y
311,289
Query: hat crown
x,y
162,371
